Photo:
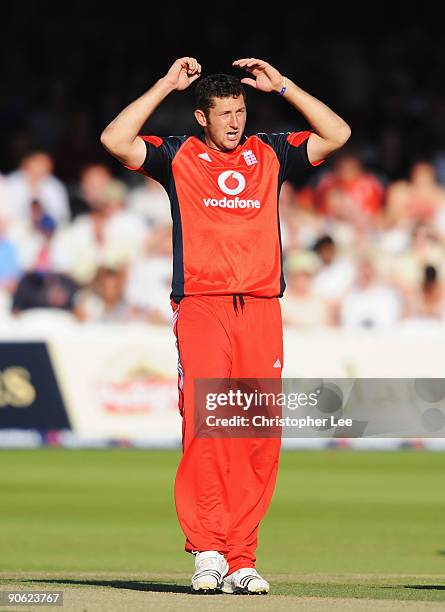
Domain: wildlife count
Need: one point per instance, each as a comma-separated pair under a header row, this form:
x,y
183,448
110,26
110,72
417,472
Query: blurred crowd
x,y
363,238
360,251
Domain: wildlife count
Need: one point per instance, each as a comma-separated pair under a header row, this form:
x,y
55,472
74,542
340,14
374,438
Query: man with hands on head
x,y
227,280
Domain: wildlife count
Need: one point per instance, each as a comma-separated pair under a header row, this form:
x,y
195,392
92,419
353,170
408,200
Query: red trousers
x,y
224,486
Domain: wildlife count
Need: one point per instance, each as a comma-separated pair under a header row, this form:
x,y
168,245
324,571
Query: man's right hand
x,y
183,72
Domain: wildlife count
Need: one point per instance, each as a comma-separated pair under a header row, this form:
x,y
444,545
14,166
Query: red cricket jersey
x,y
224,206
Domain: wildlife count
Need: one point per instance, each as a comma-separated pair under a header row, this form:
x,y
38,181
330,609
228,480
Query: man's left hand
x,y
267,78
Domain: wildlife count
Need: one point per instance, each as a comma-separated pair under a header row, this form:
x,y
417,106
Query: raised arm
x,y
330,131
120,137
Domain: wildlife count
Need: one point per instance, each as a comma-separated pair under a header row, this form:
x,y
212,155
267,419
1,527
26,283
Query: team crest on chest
x,y
249,157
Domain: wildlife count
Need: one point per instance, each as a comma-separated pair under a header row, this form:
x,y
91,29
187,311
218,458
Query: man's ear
x,y
200,117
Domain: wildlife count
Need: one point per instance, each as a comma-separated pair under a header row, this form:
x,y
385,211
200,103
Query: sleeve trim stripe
x,y
154,140
297,138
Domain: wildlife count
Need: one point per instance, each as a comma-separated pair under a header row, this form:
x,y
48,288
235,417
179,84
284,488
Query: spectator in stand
x,y
44,290
107,232
336,274
288,217
87,192
300,225
430,299
301,307
370,304
4,197
150,201
44,227
149,281
34,239
104,301
420,198
424,249
9,265
9,259
350,194
34,180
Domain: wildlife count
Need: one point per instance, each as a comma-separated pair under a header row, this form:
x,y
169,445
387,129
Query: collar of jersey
x,y
201,136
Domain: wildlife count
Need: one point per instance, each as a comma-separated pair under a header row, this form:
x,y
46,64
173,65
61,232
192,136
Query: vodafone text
x,y
231,203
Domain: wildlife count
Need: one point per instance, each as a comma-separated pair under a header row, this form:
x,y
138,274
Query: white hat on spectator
x,y
301,261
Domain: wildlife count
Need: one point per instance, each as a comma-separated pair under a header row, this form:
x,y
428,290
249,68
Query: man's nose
x,y
233,121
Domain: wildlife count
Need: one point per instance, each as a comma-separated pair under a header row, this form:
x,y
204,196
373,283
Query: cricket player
x,y
227,277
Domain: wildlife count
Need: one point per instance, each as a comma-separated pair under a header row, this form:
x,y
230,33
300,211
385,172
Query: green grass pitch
x,y
342,526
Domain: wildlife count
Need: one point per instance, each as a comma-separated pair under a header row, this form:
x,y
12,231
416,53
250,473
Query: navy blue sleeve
x,y
159,157
291,150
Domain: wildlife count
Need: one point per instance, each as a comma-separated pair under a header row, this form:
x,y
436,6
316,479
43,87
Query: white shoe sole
x,y
230,590
204,587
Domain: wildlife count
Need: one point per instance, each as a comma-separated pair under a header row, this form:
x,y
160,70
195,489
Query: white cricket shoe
x,y
245,581
210,569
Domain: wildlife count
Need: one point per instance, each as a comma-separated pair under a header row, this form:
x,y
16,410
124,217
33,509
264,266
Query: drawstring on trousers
x,y
235,303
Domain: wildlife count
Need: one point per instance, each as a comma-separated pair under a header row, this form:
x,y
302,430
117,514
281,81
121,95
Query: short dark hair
x,y
323,241
217,86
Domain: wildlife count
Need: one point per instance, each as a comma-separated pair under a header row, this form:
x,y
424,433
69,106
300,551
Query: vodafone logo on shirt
x,y
232,183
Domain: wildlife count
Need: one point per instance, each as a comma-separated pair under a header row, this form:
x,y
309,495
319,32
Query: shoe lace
x,y
248,571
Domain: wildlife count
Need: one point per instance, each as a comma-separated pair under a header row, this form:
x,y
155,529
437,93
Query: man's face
x,y
225,122
94,181
327,253
37,166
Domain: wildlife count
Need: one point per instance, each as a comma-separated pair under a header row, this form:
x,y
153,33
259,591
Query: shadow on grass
x,y
426,587
120,584
417,587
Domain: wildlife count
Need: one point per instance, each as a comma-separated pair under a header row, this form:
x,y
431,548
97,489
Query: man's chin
x,y
231,144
